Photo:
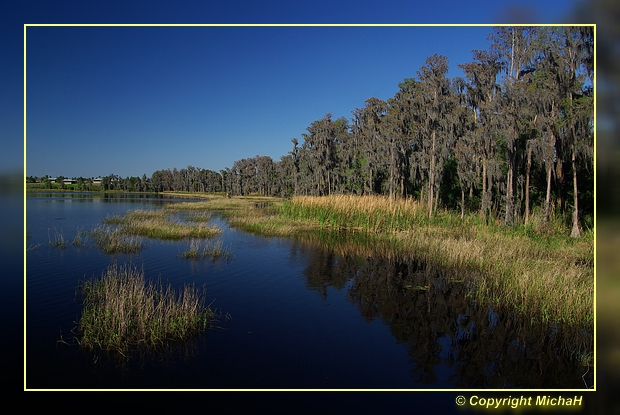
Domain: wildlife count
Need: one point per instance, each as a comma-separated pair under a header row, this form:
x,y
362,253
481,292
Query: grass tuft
x,y
121,311
213,250
112,240
58,240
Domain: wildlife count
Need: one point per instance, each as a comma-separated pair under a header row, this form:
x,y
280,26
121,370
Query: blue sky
x,y
132,100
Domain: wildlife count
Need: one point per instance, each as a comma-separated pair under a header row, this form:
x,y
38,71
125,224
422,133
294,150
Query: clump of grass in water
x,y
58,241
80,238
214,250
112,240
157,224
168,229
121,311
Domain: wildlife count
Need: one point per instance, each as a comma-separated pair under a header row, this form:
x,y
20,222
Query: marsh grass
x,y
212,250
124,311
160,224
58,241
542,276
536,271
169,229
370,213
80,238
198,216
112,240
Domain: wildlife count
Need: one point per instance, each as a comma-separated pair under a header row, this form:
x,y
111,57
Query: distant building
x,y
98,180
69,181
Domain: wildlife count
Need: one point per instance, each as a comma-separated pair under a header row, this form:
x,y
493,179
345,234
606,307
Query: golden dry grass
x,y
546,278
540,276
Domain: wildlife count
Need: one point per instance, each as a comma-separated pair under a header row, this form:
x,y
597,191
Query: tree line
x,y
514,134
516,131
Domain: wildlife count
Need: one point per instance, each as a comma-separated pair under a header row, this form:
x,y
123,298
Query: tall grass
x,y
370,213
58,240
536,271
112,240
543,277
80,238
213,250
122,310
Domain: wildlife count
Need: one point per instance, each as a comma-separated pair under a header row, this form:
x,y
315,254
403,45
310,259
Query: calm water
x,y
302,316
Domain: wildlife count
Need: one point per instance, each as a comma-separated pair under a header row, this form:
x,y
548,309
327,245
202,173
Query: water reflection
x,y
418,328
104,197
432,311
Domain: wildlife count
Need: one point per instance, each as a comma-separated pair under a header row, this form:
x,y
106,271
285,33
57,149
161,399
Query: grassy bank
x,y
121,311
542,276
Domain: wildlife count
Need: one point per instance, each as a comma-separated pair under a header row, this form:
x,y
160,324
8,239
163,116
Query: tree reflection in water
x,y
434,312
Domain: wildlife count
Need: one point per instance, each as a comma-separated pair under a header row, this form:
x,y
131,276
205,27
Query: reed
x,y
58,241
212,250
122,311
543,277
112,240
80,238
536,271
370,213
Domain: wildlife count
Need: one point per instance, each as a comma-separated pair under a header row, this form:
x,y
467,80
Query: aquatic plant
x,y
158,224
122,310
80,238
58,241
213,250
112,239
540,275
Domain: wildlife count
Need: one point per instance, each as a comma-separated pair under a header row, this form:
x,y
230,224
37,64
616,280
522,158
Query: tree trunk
x,y
392,179
527,185
560,181
421,194
509,193
576,232
484,205
431,176
549,171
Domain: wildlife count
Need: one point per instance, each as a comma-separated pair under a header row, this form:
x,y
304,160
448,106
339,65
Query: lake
x,y
296,314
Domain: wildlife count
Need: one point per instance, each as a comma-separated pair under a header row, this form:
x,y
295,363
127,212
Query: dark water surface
x,y
302,316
